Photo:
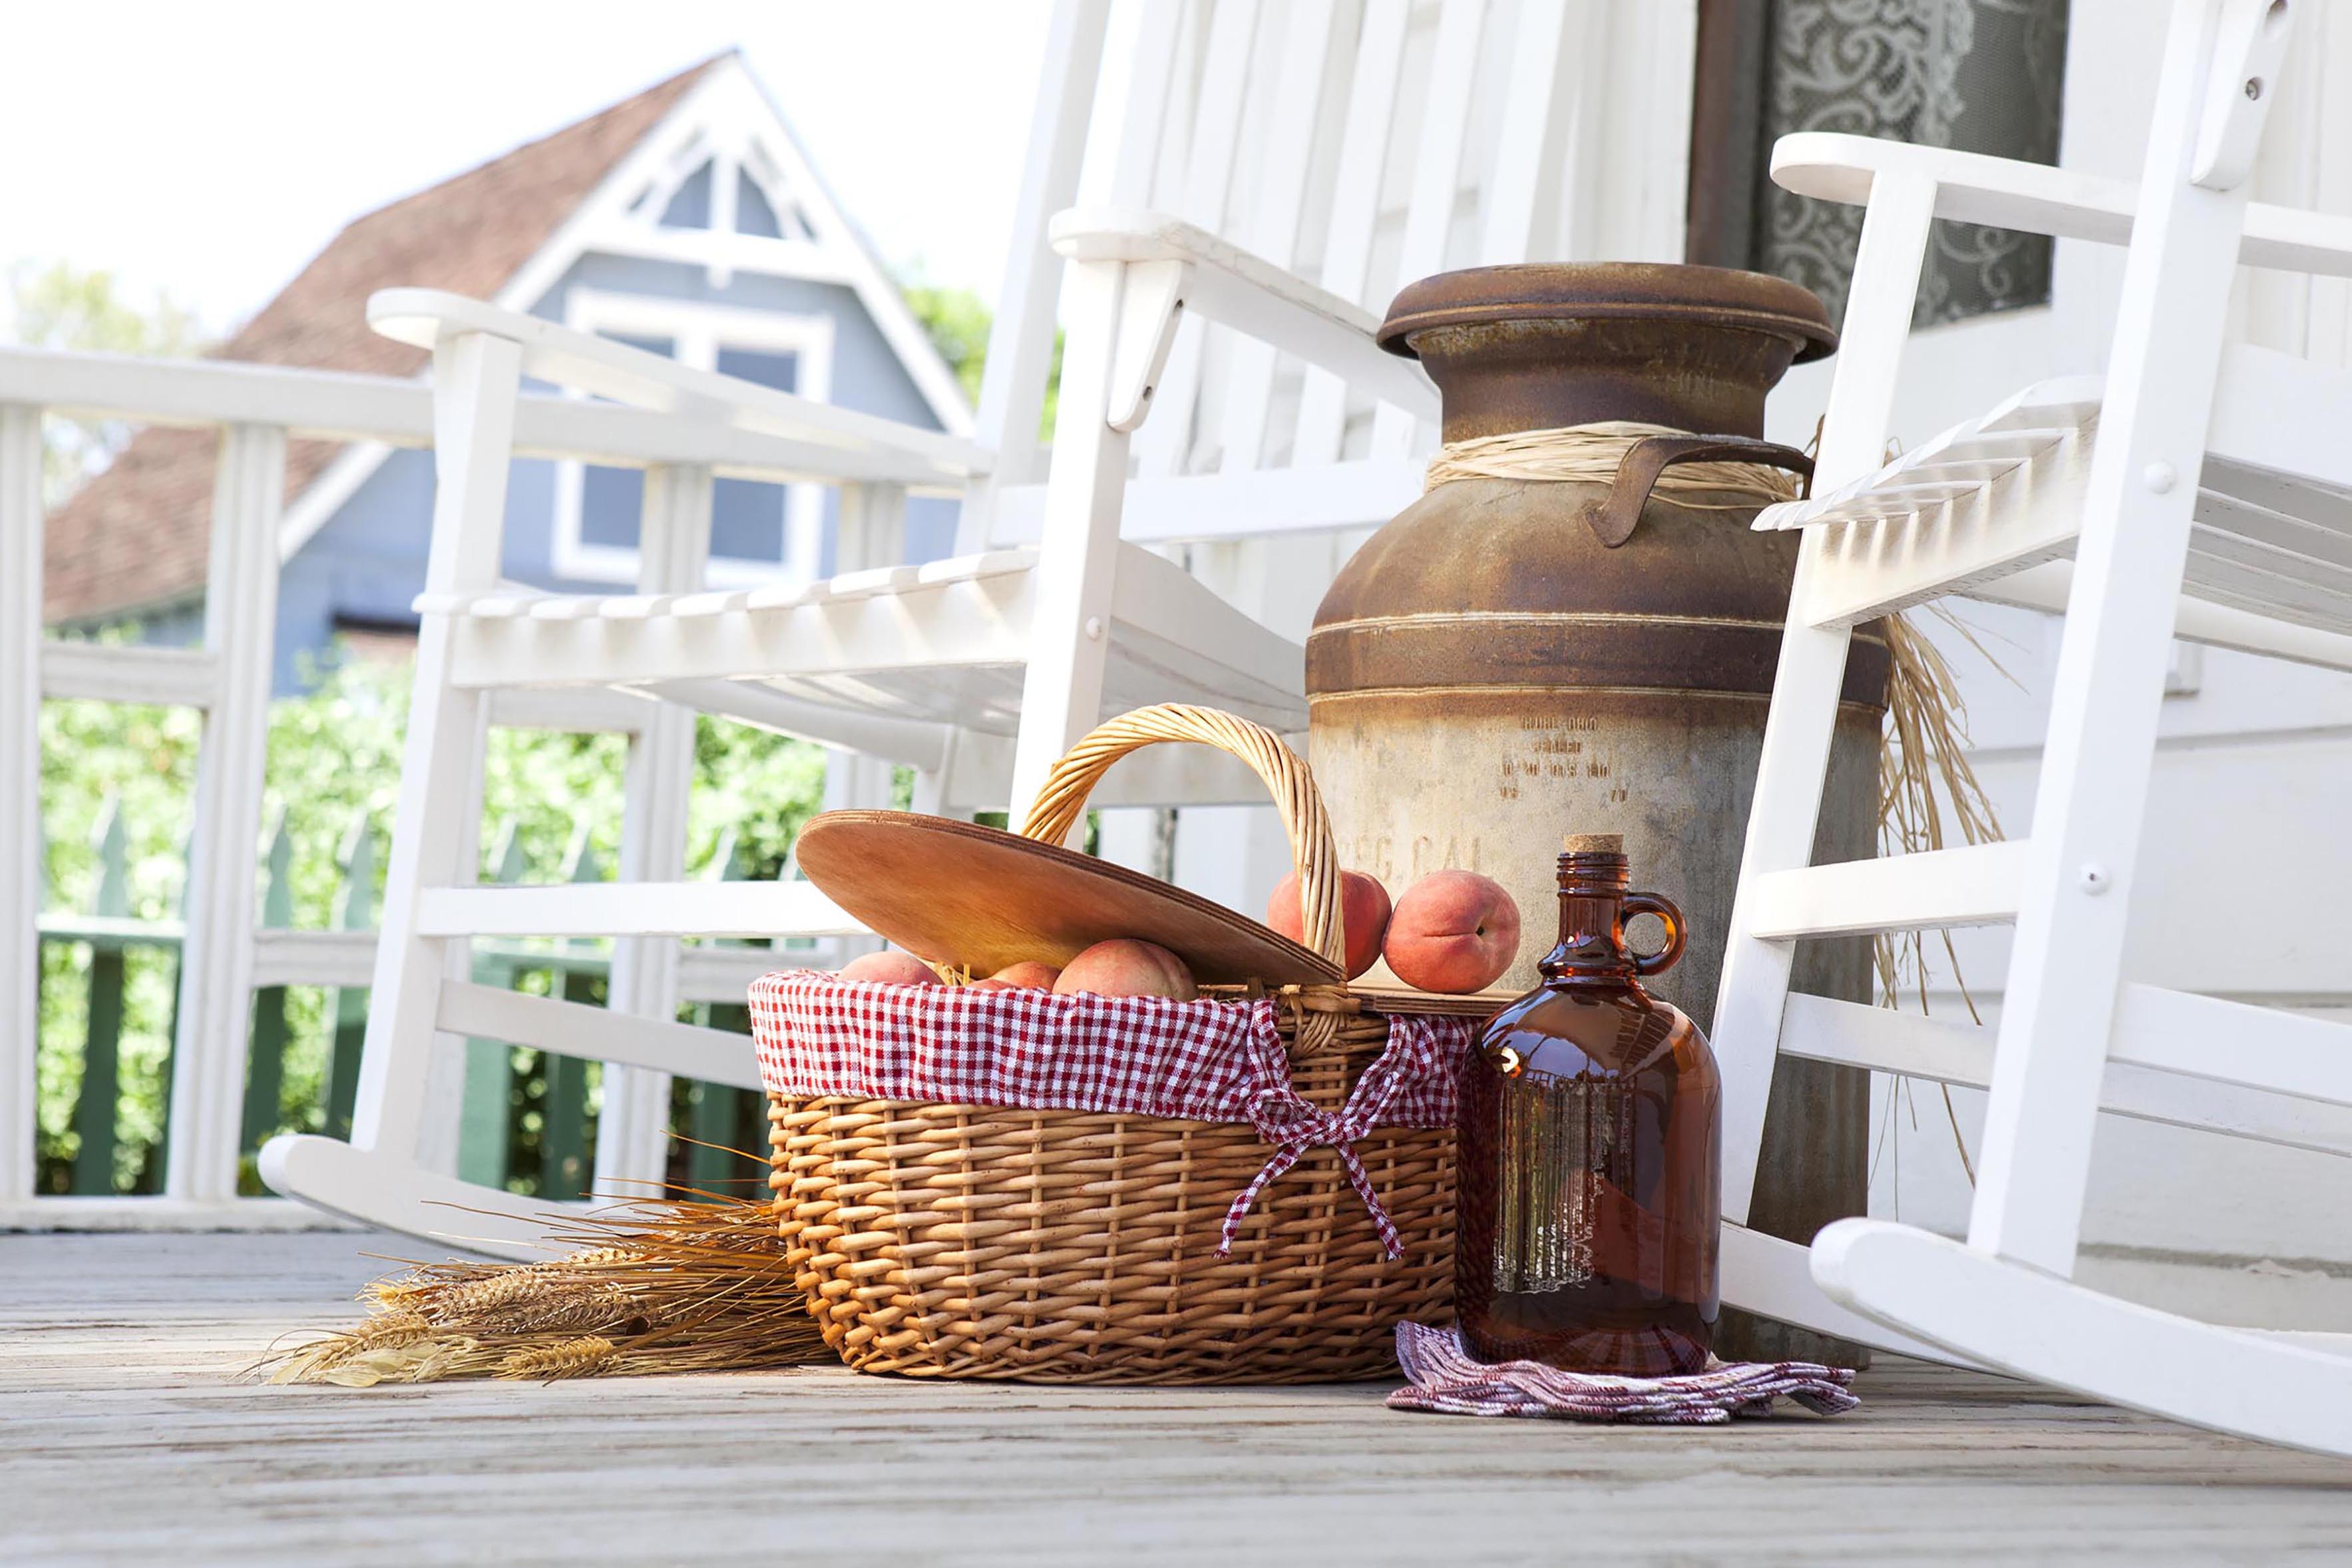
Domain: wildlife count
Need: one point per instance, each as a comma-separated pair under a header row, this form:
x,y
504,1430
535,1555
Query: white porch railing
x,y
226,954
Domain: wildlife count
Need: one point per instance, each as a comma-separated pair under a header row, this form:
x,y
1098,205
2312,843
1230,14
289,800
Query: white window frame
x,y
699,331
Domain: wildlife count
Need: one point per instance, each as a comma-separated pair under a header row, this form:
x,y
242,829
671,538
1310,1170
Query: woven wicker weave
x,y
1076,1246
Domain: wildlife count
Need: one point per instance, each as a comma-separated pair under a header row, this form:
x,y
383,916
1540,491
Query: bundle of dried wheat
x,y
683,1285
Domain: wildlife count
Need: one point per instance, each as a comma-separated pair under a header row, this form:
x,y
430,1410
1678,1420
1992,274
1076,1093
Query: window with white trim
x,y
760,533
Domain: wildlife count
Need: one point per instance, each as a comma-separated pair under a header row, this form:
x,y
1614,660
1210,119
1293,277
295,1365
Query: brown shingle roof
x,y
137,535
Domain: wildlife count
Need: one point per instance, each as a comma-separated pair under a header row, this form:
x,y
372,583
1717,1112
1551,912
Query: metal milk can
x,y
1510,660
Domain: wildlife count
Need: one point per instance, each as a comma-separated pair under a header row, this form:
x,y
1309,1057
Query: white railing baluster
x,y
258,409
20,791
633,1128
216,963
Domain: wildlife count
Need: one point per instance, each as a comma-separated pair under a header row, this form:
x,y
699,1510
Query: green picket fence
x,y
528,1121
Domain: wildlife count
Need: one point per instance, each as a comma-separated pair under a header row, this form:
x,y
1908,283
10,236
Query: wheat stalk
x,y
1923,764
689,1282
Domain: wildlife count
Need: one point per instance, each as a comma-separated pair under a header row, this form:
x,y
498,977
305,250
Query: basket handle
x,y
1062,799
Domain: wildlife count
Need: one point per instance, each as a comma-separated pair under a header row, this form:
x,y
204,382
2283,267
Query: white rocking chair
x,y
2201,491
980,670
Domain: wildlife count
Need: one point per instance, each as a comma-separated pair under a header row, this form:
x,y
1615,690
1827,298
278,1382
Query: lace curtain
x,y
1983,76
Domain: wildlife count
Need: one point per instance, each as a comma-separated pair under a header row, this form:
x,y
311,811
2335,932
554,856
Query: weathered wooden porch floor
x,y
127,1435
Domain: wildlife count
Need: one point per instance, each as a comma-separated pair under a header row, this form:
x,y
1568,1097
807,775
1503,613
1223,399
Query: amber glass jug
x,y
1591,1152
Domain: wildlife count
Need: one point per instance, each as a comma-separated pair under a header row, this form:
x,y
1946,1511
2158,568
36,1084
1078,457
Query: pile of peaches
x,y
1452,932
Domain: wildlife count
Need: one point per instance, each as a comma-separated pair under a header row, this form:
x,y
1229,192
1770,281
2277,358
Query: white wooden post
x,y
1061,696
2108,687
1437,176
1355,211
20,792
216,963
1803,718
1021,351
633,1126
872,533
437,826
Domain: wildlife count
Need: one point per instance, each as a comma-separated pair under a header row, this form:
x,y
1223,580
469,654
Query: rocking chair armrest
x,y
826,442
2005,192
1229,285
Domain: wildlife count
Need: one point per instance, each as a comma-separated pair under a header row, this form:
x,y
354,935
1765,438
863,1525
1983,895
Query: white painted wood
x,y
2144,1080
345,406
1215,131
1974,885
374,1187
1437,168
1271,229
215,1001
20,792
657,1046
2017,1318
422,317
921,646
1355,211
435,824
1797,732
1536,116
633,1121
2162,538
573,709
632,908
1061,694
2058,1011
1020,356
129,673
1773,1279
1230,284
2240,84
346,958
1150,312
1974,188
2279,1052
1189,508
293,955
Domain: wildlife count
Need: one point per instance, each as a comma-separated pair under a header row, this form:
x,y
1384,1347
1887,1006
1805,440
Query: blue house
x,y
687,220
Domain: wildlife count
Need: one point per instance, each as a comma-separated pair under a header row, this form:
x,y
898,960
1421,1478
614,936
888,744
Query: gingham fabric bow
x,y
819,1036
1418,1060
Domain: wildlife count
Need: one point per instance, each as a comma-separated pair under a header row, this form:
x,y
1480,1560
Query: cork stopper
x,y
1593,844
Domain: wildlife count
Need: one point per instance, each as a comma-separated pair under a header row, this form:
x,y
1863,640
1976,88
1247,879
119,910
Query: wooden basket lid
x,y
958,893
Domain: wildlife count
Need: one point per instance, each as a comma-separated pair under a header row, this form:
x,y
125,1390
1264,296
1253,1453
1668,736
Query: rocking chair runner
x,y
2199,490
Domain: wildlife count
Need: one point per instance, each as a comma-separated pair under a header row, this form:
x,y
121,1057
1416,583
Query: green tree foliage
x,y
958,322
62,306
334,759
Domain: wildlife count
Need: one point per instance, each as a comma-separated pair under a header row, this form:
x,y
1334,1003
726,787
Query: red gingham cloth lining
x,y
1445,1379
820,1037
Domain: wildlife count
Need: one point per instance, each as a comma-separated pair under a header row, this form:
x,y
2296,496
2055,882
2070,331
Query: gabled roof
x,y
137,535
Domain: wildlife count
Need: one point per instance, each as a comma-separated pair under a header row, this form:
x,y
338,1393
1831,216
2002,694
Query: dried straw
x,y
686,1283
1923,769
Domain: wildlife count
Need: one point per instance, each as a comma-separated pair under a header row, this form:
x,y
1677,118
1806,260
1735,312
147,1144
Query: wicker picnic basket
x,y
1076,1246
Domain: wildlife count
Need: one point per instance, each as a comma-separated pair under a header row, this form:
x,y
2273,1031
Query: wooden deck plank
x,y
129,1439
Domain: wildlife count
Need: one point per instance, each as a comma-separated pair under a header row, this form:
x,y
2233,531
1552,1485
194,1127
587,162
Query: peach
x,y
1453,932
1027,975
1363,916
1126,967
890,967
